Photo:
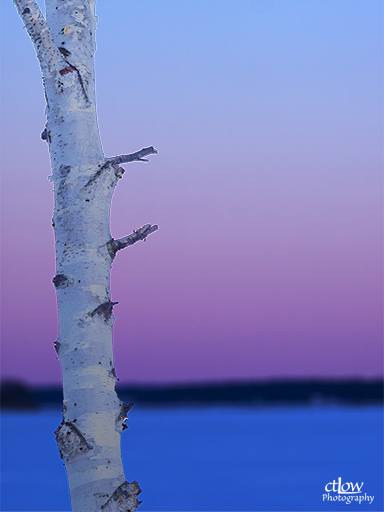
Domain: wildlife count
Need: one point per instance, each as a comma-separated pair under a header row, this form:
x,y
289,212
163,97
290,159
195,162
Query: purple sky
x,y
267,115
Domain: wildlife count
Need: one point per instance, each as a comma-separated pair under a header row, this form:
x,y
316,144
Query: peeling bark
x,y
71,441
124,499
123,416
84,180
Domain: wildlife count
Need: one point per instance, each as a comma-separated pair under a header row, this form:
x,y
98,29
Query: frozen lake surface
x,y
211,459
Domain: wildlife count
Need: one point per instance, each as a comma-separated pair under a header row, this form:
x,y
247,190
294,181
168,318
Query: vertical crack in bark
x,y
87,100
69,69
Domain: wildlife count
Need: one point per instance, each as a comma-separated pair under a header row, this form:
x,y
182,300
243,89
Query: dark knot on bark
x,y
60,281
104,310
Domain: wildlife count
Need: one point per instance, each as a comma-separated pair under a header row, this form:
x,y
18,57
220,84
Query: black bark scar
x,y
60,280
105,310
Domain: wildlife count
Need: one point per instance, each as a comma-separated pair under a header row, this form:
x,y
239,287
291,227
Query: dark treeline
x,y
17,395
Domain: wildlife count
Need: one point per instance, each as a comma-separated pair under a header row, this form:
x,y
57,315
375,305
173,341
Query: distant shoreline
x,y
18,395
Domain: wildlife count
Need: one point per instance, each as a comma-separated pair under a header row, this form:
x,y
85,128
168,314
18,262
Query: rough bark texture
x,y
84,180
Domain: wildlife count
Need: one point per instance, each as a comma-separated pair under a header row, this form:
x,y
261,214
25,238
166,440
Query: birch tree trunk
x,y
93,416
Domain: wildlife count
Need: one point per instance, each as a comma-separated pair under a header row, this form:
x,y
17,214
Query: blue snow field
x,y
212,459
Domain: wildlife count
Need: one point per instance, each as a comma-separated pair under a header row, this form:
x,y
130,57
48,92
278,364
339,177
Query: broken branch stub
x,y
136,236
132,157
116,160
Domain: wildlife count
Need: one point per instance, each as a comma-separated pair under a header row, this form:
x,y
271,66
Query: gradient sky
x,y
267,115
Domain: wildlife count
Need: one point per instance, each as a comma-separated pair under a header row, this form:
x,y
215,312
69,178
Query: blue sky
x,y
267,188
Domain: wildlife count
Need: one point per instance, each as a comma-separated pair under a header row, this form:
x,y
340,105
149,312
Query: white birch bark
x,y
84,180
